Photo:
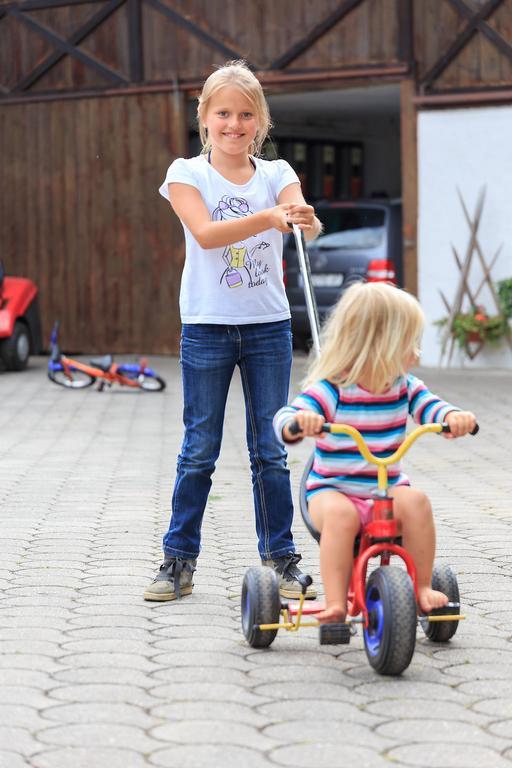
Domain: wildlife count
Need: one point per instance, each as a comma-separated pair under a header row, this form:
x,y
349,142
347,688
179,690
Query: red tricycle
x,y
385,602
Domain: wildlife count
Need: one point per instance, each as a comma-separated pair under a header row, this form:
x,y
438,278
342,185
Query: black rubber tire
x,y
445,580
261,604
391,635
151,383
15,350
81,381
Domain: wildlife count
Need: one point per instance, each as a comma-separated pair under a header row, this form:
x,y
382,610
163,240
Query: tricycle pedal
x,y
334,634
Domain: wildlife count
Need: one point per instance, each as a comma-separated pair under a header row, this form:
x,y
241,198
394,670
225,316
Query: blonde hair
x,y
238,75
372,335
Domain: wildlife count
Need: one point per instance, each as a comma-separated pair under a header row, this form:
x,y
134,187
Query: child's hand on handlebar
x,y
310,425
460,423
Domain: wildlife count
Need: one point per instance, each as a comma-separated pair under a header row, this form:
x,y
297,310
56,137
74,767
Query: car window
x,y
351,227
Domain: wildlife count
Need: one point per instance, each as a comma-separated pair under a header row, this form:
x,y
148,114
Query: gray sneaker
x,y
286,569
173,580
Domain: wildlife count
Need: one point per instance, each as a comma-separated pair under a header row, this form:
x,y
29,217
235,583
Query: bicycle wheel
x,y
390,636
72,380
261,604
444,580
150,382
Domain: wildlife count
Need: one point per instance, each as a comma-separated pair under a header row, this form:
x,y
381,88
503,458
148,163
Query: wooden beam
x,y
270,80
66,48
185,23
405,50
409,156
459,43
484,28
42,5
315,34
135,41
464,98
76,38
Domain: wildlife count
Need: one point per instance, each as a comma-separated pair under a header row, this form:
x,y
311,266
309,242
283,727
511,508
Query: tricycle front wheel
x,y
261,604
390,636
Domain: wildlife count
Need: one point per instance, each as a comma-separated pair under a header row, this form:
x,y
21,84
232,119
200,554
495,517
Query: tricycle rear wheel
x,y
261,604
444,580
390,636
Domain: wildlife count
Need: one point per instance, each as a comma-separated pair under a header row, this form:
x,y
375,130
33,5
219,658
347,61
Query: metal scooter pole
x,y
309,294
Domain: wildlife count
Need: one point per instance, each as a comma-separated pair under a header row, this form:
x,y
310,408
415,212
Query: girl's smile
x,y
231,121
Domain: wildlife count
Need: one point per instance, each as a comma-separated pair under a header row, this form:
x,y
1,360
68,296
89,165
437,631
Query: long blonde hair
x,y
238,75
372,334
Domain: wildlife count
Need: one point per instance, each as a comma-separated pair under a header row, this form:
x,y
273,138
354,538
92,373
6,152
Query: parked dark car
x,y
362,240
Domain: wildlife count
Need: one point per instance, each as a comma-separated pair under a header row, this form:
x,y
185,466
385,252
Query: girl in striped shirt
x,y
362,378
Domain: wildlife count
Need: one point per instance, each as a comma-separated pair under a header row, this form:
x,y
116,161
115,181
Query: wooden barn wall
x,y
80,215
481,62
181,39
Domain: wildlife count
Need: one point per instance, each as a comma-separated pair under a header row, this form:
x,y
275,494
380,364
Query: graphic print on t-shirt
x,y
244,264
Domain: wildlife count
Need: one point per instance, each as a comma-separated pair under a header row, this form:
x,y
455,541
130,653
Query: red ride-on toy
x,y
385,602
20,324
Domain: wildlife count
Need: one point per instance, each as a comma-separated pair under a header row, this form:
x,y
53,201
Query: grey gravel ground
x,y
91,675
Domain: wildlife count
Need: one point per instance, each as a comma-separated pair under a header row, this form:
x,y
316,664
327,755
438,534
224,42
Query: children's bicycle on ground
x,y
73,374
385,603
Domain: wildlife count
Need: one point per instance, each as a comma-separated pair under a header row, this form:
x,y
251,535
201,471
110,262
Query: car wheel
x,y
15,350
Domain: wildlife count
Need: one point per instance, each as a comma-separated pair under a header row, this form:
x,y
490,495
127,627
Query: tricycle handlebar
x,y
295,429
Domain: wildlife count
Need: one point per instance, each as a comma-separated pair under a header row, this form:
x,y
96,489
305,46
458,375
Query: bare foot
x,y
429,599
333,614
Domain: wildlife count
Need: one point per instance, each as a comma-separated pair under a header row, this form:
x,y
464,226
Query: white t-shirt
x,y
240,283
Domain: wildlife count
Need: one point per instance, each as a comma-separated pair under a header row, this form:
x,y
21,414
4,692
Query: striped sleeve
x,y
321,397
424,406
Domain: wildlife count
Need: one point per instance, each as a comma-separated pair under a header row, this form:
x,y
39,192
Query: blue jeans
x,y
209,354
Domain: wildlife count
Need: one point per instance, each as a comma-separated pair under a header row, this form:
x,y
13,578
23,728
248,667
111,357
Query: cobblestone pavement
x,y
91,675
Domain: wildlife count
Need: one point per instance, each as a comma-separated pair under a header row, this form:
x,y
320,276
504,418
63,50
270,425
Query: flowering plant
x,y
477,326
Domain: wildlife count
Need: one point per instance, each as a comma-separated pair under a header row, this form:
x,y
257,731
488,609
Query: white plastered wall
x,y
468,149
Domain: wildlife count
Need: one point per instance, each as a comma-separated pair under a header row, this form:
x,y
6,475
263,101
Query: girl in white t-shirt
x,y
234,208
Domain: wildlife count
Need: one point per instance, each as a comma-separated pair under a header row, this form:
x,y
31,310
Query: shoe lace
x,y
174,569
288,566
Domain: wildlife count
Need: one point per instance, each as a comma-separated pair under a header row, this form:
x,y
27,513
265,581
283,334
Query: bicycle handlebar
x,y
295,429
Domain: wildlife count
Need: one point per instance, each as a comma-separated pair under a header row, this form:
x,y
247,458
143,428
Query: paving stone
x,y
457,755
21,716
80,757
498,708
385,688
28,661
398,709
208,755
306,754
203,659
202,675
227,692
128,660
428,730
114,675
212,731
100,734
11,759
103,693
19,738
97,712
